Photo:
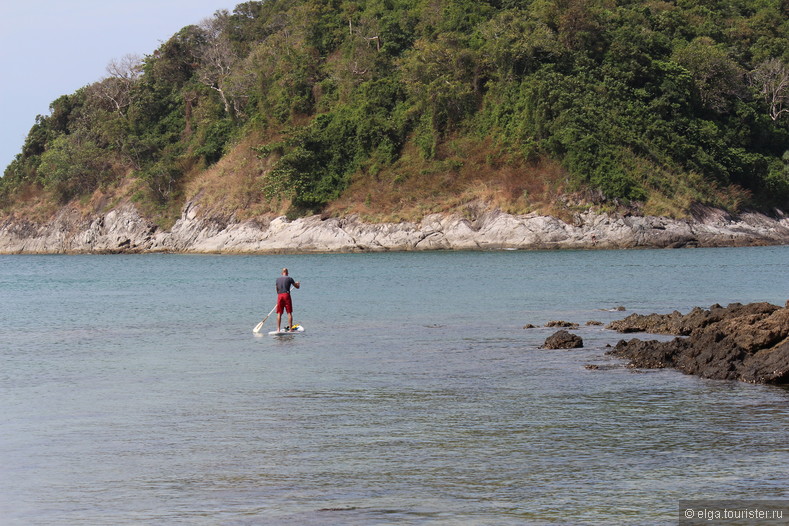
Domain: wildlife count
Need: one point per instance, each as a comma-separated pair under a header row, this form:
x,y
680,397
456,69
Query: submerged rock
x,y
749,343
563,340
562,323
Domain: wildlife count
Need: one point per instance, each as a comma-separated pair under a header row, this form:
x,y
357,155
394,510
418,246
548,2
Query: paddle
x,y
260,325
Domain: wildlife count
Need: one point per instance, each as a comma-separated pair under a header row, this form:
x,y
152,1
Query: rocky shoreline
x,y
749,343
124,230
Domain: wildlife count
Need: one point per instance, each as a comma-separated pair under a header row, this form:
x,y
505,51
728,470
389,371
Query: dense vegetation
x,y
638,101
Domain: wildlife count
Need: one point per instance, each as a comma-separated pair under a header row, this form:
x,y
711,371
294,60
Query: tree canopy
x,y
685,99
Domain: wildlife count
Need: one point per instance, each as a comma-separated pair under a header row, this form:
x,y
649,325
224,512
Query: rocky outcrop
x,y
739,342
561,323
201,231
119,230
682,325
563,340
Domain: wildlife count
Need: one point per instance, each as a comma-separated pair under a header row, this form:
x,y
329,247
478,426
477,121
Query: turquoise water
x,y
134,392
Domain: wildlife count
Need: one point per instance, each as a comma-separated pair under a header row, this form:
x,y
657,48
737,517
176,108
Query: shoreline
x,y
124,230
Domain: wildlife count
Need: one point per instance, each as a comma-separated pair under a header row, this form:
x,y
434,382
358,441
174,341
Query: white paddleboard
x,y
296,330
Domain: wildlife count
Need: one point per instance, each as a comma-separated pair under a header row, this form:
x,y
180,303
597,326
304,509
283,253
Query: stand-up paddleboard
x,y
296,329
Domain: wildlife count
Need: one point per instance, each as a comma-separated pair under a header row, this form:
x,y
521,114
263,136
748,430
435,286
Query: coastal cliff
x,y
125,230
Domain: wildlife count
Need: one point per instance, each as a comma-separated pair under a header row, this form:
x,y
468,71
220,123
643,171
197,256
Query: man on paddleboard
x,y
284,303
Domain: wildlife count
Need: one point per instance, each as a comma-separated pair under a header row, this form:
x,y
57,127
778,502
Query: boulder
x,y
563,340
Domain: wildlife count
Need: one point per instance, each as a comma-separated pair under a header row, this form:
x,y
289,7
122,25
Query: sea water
x,y
133,391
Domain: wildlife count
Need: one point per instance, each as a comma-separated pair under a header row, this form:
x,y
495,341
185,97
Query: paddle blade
x,y
260,325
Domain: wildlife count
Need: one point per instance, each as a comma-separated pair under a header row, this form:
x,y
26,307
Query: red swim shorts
x,y
284,304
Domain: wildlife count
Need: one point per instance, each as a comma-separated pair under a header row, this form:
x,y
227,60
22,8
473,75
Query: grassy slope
x,y
468,175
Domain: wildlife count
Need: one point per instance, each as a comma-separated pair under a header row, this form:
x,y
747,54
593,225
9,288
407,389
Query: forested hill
x,y
375,106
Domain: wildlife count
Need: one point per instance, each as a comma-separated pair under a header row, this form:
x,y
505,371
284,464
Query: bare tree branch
x,y
117,87
771,80
127,68
217,57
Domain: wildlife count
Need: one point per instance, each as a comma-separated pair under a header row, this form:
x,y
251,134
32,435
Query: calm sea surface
x,y
132,390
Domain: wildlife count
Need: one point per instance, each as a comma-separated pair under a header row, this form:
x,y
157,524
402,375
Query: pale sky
x,y
50,48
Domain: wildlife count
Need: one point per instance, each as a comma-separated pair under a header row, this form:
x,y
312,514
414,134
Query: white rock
x,y
124,230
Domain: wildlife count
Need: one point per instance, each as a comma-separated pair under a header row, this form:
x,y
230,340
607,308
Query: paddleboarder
x,y
284,303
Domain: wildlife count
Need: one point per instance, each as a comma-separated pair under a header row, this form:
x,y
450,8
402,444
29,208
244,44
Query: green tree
x,y
443,78
70,168
516,44
718,78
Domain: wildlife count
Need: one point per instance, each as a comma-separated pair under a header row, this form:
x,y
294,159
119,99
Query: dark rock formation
x,y
563,340
682,325
561,323
739,342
